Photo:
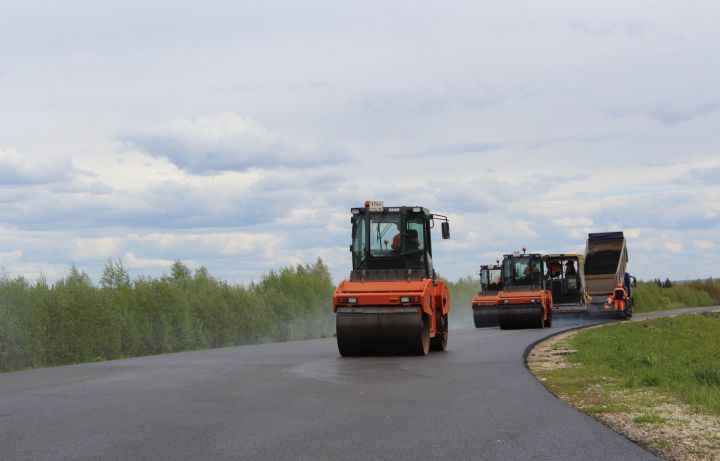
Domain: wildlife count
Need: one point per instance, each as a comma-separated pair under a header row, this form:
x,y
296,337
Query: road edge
x,y
650,315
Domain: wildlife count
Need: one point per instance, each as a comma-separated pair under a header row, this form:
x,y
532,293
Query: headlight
x,y
404,299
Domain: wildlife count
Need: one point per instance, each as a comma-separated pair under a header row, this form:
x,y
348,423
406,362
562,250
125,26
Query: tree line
x,y
74,320
658,295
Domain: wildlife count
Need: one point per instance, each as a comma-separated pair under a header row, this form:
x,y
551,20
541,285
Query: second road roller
x,y
524,301
393,303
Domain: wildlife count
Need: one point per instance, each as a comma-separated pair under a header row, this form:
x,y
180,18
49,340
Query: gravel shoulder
x,y
668,428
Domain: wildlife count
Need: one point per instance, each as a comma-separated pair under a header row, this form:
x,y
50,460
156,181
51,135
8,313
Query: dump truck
x,y
565,278
393,302
484,303
524,301
606,259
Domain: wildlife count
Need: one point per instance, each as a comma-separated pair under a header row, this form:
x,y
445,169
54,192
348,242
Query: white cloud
x,y
706,245
215,141
18,169
133,262
228,142
573,222
675,247
10,257
88,248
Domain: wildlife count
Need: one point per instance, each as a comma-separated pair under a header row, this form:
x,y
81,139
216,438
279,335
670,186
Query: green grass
x,y
677,357
652,419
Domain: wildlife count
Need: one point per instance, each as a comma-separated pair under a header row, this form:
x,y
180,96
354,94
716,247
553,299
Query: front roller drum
x,y
382,333
521,316
486,317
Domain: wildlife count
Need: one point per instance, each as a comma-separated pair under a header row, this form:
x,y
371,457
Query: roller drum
x,y
520,316
486,317
378,333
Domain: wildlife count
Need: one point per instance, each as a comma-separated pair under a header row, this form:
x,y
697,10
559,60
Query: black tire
x,y
424,345
439,342
548,322
542,320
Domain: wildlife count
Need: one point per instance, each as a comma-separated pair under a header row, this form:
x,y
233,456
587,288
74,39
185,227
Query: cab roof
x,y
391,209
564,256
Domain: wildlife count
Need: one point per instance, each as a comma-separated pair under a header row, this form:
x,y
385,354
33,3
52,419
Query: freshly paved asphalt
x,y
302,400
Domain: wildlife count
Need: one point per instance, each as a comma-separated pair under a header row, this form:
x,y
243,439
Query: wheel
x,y
424,345
548,322
542,320
439,342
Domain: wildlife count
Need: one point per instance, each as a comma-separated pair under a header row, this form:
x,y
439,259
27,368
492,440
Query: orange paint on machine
x,y
393,302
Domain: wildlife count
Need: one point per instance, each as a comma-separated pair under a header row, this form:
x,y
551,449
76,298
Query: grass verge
x,y
655,381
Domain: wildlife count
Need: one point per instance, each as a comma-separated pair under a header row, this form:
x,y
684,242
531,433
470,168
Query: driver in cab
x,y
412,241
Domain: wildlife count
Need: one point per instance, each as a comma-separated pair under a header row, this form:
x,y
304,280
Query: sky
x,y
237,135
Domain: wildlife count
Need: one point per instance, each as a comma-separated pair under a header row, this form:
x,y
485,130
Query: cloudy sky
x,y
237,134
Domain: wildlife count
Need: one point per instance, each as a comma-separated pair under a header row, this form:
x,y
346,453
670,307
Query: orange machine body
x,y
388,297
484,300
509,299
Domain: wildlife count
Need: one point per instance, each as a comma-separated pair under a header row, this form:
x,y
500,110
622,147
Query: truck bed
x,y
605,262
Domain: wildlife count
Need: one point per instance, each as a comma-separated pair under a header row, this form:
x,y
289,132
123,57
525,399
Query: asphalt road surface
x,y
302,400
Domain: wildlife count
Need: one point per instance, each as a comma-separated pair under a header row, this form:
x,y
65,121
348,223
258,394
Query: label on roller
x,y
377,310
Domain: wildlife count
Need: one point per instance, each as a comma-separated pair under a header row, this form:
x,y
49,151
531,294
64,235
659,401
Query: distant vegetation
x,y
659,296
74,320
461,294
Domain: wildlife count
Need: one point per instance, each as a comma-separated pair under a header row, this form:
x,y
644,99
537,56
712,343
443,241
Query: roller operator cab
x,y
392,303
484,303
525,301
